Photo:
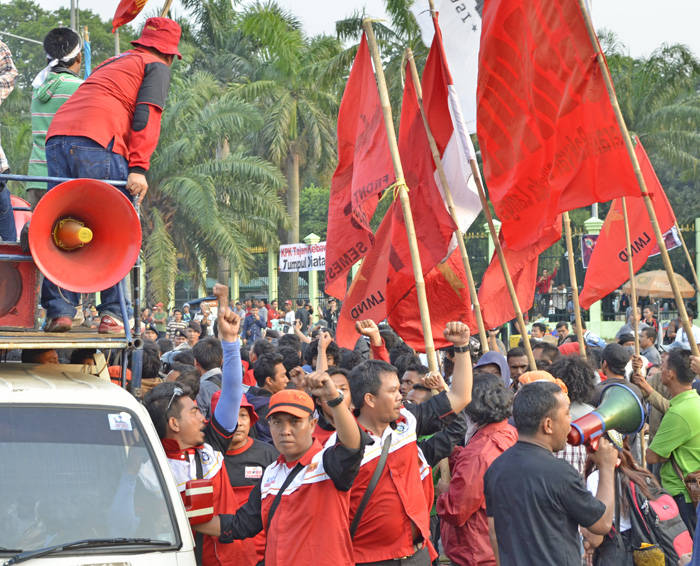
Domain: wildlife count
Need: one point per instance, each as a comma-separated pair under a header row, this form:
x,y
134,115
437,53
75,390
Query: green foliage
x,y
313,211
208,195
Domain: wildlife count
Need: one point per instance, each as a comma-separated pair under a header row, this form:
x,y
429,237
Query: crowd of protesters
x,y
471,462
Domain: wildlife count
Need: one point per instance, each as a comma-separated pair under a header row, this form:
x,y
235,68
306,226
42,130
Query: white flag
x,y
460,23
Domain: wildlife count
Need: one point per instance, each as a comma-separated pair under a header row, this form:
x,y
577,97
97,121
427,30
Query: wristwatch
x,y
462,349
337,401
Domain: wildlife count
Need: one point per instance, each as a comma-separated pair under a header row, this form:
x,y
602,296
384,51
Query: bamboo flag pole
x,y
450,204
166,8
504,266
687,255
574,284
403,196
633,285
640,179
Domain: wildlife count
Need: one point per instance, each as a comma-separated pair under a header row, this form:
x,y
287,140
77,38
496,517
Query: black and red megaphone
x,y
619,409
85,235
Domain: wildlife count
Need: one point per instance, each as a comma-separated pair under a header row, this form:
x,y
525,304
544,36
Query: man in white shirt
x,y
682,337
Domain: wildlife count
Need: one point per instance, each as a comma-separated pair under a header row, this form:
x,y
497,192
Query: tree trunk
x,y
293,209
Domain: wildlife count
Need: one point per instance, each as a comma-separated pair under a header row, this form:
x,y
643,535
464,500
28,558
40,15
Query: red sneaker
x,y
110,325
60,324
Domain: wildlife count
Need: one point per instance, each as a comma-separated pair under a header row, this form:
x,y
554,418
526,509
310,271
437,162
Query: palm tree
x,y
659,100
202,201
285,82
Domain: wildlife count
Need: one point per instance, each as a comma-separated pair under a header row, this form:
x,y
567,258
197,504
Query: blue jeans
x,y
8,233
78,157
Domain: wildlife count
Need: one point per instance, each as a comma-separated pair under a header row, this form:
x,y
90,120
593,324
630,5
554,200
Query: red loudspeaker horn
x,y
85,235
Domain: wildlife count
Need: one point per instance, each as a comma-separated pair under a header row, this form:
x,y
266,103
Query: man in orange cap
x,y
303,500
108,129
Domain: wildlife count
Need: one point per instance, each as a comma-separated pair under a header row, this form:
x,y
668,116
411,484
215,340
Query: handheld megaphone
x,y
85,235
619,409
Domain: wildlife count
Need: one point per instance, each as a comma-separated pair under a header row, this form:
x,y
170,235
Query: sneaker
x,y
60,324
110,325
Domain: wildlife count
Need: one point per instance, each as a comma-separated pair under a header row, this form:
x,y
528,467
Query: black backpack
x,y
658,522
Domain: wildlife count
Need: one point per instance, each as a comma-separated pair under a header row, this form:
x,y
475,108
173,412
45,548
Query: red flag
x,y
545,123
447,291
496,304
608,267
386,275
364,171
126,12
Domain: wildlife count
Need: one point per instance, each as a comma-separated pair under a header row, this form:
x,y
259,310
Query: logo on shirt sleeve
x,y
253,472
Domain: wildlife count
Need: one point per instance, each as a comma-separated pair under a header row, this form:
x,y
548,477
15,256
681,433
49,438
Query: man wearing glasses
x,y
195,448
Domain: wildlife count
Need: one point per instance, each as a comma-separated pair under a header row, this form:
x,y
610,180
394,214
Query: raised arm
x,y
460,393
229,322
320,384
370,329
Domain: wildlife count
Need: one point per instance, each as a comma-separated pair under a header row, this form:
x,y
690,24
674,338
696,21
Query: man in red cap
x,y
108,129
302,502
246,459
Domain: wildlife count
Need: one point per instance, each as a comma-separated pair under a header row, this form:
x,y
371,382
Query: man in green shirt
x,y
160,319
52,87
679,432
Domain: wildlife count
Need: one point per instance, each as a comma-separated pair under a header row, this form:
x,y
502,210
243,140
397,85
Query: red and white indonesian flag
x,y
444,114
460,23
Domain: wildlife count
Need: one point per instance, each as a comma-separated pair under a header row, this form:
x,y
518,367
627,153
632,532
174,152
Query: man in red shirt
x,y
395,523
305,515
108,129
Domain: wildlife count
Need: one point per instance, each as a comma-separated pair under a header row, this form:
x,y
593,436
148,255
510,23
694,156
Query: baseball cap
x,y
293,402
159,305
287,302
674,346
617,357
163,34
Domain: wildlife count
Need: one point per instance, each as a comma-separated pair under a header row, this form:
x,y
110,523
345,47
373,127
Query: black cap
x,y
624,338
617,357
179,332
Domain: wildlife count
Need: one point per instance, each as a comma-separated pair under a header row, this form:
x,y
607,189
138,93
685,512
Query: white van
x,y
83,477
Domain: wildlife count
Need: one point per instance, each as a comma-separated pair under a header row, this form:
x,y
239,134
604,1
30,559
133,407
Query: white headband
x,y
41,77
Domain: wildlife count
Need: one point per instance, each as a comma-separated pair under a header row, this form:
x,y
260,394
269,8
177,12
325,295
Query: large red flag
x,y
386,275
496,304
364,171
608,267
546,127
126,12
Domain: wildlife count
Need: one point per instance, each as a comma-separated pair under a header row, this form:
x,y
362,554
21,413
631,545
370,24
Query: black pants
x,y
687,512
420,558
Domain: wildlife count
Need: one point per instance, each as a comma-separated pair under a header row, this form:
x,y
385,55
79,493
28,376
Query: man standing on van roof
x,y
108,129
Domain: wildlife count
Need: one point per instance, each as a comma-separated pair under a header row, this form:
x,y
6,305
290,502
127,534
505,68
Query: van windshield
x,y
71,473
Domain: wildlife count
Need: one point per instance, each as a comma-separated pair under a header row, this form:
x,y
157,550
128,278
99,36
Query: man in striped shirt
x,y
8,73
52,87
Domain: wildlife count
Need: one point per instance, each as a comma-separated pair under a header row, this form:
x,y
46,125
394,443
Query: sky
x,y
642,25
